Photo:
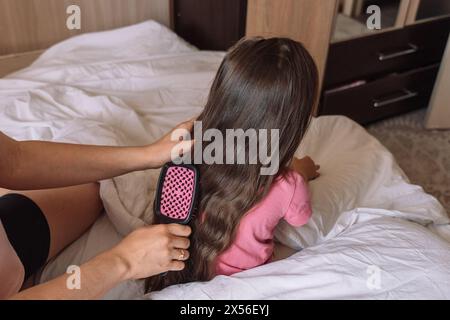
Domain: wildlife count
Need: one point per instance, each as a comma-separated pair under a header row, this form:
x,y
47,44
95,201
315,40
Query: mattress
x,y
373,235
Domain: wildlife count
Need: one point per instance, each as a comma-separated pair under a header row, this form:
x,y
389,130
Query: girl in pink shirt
x,y
287,199
262,84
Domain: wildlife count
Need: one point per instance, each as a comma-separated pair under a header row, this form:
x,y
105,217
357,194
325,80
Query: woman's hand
x,y
153,250
306,168
160,152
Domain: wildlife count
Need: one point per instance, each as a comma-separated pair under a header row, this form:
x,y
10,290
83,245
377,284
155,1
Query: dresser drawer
x,y
372,56
388,96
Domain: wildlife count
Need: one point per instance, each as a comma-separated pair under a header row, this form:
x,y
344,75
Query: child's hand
x,y
305,167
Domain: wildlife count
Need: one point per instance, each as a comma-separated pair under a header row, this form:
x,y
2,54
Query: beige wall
x,y
28,25
308,21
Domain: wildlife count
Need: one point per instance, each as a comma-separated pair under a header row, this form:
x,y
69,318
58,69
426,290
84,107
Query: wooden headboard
x,y
28,27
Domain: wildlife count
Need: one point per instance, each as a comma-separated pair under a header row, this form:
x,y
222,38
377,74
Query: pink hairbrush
x,y
177,194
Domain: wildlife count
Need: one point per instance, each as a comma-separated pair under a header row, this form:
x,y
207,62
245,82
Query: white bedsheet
x,y
373,234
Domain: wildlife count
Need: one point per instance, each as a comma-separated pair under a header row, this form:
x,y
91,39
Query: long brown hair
x,y
261,84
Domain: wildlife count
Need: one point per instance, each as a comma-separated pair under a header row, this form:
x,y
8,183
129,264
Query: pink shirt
x,y
287,199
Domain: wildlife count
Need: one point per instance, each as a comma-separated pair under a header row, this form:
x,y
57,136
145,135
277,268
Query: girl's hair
x,y
261,84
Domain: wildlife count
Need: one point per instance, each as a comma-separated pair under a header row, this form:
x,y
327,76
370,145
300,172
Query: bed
x,y
373,235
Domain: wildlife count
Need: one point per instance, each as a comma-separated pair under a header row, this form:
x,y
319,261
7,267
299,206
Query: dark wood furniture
x,y
210,24
367,78
384,74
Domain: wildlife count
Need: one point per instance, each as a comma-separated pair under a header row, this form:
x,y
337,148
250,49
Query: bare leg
x,y
69,212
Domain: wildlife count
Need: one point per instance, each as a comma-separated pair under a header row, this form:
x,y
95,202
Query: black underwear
x,y
27,230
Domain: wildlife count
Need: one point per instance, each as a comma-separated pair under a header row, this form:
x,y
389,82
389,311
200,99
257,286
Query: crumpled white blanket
x,y
128,199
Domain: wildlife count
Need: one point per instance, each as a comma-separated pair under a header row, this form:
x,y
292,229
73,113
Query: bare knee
x,y
4,192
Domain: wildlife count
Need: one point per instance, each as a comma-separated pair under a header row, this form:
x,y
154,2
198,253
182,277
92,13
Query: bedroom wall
x,y
310,22
28,25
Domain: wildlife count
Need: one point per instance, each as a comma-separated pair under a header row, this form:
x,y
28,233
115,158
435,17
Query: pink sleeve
x,y
299,209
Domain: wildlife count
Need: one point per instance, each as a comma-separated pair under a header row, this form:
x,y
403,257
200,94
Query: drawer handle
x,y
412,48
406,94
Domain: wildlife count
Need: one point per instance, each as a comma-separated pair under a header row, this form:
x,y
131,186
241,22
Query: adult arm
x,y
32,165
145,252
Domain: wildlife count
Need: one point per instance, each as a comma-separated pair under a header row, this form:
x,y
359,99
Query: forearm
x,y
97,277
43,165
143,253
66,164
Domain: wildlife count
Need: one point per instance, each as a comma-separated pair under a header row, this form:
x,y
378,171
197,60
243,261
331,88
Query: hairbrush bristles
x,y
177,194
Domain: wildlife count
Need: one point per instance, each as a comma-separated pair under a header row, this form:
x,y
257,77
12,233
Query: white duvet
x,y
372,236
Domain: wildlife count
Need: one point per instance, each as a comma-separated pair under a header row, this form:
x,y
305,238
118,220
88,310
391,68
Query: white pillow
x,y
356,171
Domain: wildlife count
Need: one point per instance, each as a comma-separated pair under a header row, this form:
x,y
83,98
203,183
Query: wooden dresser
x,y
367,76
384,74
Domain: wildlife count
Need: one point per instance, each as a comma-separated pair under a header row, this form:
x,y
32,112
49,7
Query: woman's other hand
x,y
145,252
306,168
152,250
